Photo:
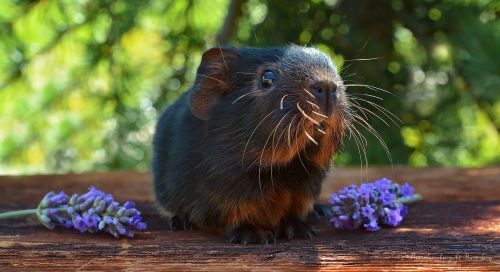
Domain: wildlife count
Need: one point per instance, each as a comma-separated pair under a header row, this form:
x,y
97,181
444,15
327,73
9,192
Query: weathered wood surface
x,y
456,228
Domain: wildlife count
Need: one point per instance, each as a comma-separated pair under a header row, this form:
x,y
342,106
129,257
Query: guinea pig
x,y
245,150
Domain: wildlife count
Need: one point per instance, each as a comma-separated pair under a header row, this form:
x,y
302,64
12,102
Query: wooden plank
x,y
456,228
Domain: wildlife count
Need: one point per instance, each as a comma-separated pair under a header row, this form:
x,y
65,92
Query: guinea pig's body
x,y
245,150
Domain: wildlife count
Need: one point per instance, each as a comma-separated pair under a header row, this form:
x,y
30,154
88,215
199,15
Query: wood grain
x,y
456,227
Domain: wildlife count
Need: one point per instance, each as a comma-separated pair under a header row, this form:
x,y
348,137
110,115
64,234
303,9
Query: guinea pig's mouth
x,y
318,131
314,116
300,129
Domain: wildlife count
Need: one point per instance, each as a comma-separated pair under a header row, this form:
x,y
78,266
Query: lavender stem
x,y
407,200
6,215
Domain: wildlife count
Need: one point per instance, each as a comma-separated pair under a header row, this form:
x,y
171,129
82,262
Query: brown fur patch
x,y
266,212
281,152
302,204
328,144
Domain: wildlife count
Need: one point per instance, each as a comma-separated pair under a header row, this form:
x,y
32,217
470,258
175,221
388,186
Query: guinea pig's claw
x,y
321,210
249,234
296,228
179,223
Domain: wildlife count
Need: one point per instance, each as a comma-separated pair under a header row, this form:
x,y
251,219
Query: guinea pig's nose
x,y
322,90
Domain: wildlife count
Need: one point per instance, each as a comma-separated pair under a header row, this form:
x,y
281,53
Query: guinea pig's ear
x,y
211,80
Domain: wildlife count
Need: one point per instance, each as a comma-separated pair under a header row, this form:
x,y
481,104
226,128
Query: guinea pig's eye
x,y
268,79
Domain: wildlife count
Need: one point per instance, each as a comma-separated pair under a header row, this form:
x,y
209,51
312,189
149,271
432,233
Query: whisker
x,y
307,116
309,93
349,60
382,110
237,99
369,87
317,113
360,147
365,124
369,111
281,102
344,122
374,133
310,137
353,74
356,141
312,104
216,79
356,105
344,68
370,95
264,149
289,136
243,73
274,146
222,55
320,130
298,151
362,138
251,135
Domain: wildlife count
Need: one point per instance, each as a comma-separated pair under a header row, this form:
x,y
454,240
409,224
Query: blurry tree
x,y
82,82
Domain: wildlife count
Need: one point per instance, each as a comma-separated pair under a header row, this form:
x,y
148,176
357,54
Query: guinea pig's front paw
x,y
294,227
246,233
180,223
322,210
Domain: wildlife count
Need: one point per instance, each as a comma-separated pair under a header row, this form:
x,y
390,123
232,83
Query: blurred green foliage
x,y
82,82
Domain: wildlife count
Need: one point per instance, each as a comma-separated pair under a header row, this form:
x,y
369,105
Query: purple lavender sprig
x,y
91,212
371,205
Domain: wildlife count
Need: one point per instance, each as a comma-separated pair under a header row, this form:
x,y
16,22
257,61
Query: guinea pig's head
x,y
270,105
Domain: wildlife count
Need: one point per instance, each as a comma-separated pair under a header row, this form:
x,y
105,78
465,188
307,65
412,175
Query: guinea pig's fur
x,y
247,156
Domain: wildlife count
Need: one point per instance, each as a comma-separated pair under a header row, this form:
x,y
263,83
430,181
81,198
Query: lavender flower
x,y
91,212
371,205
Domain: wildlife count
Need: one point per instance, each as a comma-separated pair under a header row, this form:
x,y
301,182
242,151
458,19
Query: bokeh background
x,y
82,82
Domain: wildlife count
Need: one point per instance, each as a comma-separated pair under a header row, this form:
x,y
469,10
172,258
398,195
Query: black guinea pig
x,y
245,150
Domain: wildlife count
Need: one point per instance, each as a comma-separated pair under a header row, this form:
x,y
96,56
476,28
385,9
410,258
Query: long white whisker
x,y
356,105
362,138
223,59
369,87
363,148
309,93
383,111
251,135
298,151
370,95
213,78
345,68
344,77
289,136
319,114
349,60
237,99
368,127
356,141
264,149
281,102
243,73
310,137
307,116
365,109
312,104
